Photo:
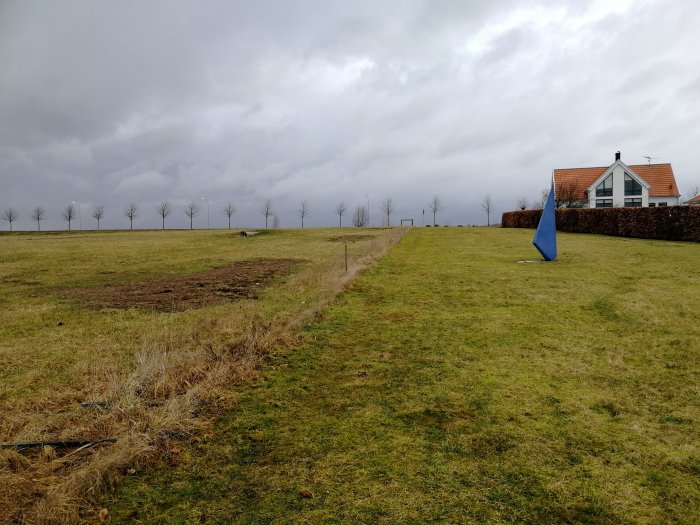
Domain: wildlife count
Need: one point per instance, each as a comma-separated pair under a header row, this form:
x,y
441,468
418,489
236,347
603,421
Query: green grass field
x,y
153,372
451,384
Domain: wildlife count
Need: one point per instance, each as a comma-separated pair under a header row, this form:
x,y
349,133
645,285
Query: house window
x,y
632,187
652,204
663,204
633,203
603,203
605,188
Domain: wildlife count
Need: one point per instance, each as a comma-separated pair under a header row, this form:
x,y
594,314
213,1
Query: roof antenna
x,y
650,158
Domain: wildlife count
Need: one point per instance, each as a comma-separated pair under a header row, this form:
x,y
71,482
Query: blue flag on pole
x,y
545,239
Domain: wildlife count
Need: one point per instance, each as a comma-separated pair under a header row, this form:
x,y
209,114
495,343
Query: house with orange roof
x,y
695,201
617,185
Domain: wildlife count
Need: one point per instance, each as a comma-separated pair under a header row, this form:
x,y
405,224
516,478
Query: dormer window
x,y
632,187
605,188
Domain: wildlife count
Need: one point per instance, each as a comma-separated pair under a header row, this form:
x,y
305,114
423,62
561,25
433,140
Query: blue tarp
x,y
545,239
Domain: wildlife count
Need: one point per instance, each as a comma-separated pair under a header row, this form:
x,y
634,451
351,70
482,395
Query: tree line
x,y
567,196
131,212
360,216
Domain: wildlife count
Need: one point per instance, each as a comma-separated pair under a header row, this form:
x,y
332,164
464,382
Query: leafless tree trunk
x,y
359,218
340,210
38,214
69,214
539,204
303,211
521,203
569,195
229,210
163,210
266,210
276,223
131,212
387,207
98,214
191,210
10,215
487,206
435,206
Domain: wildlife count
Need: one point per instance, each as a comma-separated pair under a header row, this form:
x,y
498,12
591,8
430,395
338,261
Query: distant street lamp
x,y
80,215
207,201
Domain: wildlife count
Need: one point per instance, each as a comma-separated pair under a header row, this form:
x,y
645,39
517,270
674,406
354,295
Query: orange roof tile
x,y
658,176
581,178
694,200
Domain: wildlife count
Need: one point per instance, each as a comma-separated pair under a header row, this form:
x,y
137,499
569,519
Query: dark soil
x,y
176,293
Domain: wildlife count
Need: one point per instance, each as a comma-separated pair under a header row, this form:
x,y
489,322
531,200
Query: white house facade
x,y
618,185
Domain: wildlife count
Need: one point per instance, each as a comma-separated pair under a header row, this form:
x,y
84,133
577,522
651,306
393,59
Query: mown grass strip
x,y
450,384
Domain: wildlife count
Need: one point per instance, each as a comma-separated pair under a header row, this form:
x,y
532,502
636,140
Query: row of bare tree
x,y
360,216
131,212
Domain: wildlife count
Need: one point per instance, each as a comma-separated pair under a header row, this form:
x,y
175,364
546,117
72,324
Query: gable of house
x,y
659,177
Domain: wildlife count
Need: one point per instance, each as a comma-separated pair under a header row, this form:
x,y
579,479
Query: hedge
x,y
671,223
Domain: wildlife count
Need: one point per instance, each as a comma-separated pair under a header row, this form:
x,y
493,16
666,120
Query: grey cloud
x,y
116,102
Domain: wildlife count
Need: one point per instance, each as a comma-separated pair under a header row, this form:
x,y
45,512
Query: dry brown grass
x,y
177,382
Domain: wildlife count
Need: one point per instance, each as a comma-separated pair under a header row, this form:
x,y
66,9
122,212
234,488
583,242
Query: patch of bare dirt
x,y
176,293
351,238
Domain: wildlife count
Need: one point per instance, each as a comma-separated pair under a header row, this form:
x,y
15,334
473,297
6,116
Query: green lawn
x,y
451,384
152,372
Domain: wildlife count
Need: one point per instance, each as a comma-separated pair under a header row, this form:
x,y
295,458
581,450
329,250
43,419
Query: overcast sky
x,y
109,103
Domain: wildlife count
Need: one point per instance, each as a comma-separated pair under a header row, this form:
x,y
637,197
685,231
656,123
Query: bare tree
x,y
387,207
229,210
266,210
276,223
435,206
69,213
359,218
163,210
487,206
131,212
340,209
98,214
569,195
521,203
38,214
10,215
541,201
303,211
191,210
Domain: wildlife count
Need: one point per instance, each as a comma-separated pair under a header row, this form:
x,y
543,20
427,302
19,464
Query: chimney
x,y
617,156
